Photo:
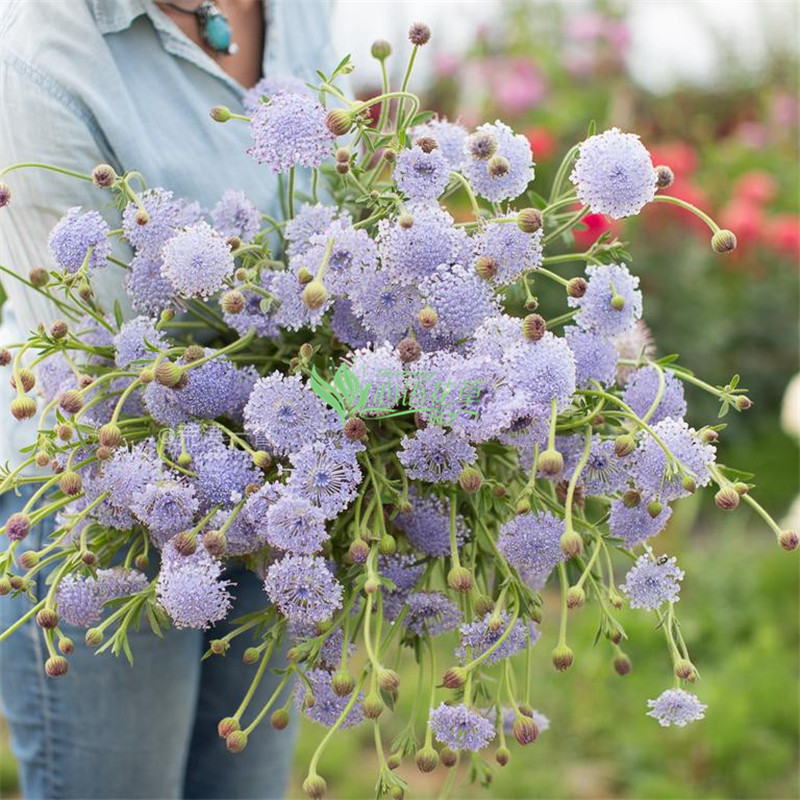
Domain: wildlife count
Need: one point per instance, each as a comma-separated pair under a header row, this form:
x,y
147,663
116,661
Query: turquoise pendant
x,y
215,28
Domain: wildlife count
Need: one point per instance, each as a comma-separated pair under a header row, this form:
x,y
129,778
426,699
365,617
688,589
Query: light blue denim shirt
x,y
90,81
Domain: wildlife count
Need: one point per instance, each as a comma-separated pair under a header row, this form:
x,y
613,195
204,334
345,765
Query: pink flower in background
x,y
784,110
783,234
756,187
445,65
517,85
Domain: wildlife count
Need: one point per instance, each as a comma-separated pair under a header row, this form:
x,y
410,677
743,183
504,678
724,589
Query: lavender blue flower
x,y
460,727
131,343
512,251
223,474
484,633
270,85
241,537
604,473
427,525
435,455
449,136
163,406
595,356
259,503
328,706
196,261
347,326
381,369
607,282
149,291
676,707
289,131
283,414
404,572
165,508
387,308
650,582
235,215
514,151
614,174
292,313
54,376
303,588
431,613
308,221
216,388
633,345
80,599
294,525
191,590
80,237
421,176
635,525
642,390
531,541
166,215
649,465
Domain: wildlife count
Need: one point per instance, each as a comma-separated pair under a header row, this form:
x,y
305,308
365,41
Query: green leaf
x,y
118,314
592,128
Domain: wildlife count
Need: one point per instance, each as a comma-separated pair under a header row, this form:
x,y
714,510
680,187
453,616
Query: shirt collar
x,y
113,16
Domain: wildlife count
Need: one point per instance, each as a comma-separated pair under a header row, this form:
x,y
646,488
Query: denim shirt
x,y
90,81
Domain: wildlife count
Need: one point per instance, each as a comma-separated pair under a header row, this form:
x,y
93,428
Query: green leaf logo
x,y
328,394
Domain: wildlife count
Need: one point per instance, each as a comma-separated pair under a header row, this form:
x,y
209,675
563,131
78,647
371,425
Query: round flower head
x,y
507,173
531,541
326,474
196,261
80,599
194,439
543,371
292,313
435,455
482,634
165,216
388,308
165,508
295,526
282,414
289,131
512,251
54,376
307,222
163,406
269,86
382,371
411,253
595,356
450,138
223,473
614,174
79,238
235,215
604,472
496,337
404,572
149,291
427,525
635,525
649,468
650,583
216,388
259,503
461,300
258,312
676,707
131,343
190,588
612,302
643,389
241,538
460,727
347,326
420,175
303,589
431,613
327,706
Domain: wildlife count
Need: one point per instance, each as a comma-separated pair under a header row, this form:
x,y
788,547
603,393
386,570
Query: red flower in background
x,y
543,143
783,233
596,226
756,187
680,157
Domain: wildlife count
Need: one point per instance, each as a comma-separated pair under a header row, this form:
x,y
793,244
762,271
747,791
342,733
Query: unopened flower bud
x,y
372,706
47,619
419,34
617,302
654,508
534,327
526,731
622,664
727,498
408,350
393,761
5,194
576,287
427,759
483,605
232,302
103,176
66,646
371,585
59,329
486,267
709,436
18,526
26,379
529,220
250,656
741,488
315,787
5,357
88,558
339,121
576,597
168,373
551,463
55,666
5,585
342,683
215,543
387,546
381,49
23,407
664,176
315,295
405,221
743,402
262,459
141,562
684,669
38,276
104,453
624,445
359,551
236,741
218,646
428,318
70,483
226,726
460,579
470,480
788,540
355,429
449,758
498,166
723,241
562,657
29,559
343,167
94,637
502,755
220,113
571,544
454,678
631,498
388,680
482,145
185,543
523,505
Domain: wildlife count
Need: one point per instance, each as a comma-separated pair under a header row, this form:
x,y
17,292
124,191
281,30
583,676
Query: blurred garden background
x,y
713,92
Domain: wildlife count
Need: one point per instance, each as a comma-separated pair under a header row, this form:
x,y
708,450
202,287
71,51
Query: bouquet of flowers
x,y
361,403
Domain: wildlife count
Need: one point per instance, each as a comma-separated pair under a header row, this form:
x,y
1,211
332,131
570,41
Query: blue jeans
x,y
109,730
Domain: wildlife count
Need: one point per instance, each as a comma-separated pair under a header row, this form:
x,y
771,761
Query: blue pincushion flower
x,y
652,582
80,599
259,503
435,455
54,376
649,465
595,356
450,138
404,571
507,172
149,291
289,131
460,727
676,707
308,221
421,176
642,390
531,541
327,474
223,474
283,414
484,633
196,261
165,216
381,369
387,307
294,525
131,343
327,706
303,588
512,251
163,406
166,508
291,312
427,525
636,525
612,303
270,85
79,238
191,589
614,174
235,215
604,472
431,613
347,326
216,388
